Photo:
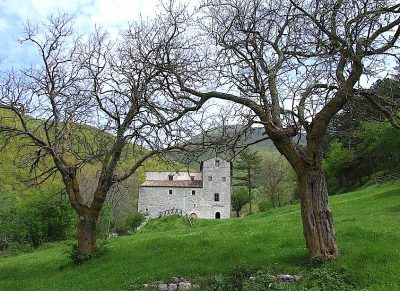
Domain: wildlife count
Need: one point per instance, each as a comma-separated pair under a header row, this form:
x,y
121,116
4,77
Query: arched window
x,y
217,215
170,191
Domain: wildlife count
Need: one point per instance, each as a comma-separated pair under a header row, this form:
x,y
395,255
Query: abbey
x,y
204,195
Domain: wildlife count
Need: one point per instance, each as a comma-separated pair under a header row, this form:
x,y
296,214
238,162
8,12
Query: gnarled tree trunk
x,y
318,227
87,239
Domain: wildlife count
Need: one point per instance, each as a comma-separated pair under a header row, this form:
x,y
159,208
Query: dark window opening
x,y
171,177
170,191
192,178
217,163
147,210
194,205
217,215
209,178
193,192
223,179
216,196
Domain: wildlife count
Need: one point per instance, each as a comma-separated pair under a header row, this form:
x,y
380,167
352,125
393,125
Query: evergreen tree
x,y
247,166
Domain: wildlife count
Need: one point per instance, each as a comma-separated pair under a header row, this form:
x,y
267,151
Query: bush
x,y
131,223
40,217
263,206
78,258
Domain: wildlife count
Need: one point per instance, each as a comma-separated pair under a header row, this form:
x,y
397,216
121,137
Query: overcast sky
x,y
112,14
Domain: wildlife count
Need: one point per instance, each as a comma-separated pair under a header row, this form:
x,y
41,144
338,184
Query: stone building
x,y
204,195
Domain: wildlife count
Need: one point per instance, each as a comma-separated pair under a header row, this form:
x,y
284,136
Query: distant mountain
x,y
225,142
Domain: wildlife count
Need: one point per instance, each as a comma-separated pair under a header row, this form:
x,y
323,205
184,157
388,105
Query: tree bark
x,y
87,239
318,227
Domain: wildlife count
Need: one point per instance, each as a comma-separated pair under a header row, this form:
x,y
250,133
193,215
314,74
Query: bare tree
x,y
274,173
291,65
92,102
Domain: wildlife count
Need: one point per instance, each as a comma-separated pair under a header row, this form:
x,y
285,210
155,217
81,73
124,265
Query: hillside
x,y
15,179
367,231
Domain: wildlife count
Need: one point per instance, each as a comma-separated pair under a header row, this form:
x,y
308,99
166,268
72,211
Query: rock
x,y
185,285
146,285
252,279
195,286
172,287
162,287
176,280
288,278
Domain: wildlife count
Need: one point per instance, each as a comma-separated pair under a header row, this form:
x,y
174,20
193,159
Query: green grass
x,y
368,233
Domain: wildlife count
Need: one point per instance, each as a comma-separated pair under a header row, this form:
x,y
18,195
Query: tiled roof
x,y
173,183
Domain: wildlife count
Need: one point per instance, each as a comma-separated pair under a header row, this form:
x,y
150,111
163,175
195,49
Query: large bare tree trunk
x,y
87,239
318,227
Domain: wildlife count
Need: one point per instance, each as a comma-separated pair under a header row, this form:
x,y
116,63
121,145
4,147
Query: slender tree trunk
x,y
318,227
250,196
87,239
237,213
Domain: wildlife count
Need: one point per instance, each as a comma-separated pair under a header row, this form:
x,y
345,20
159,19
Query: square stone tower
x,y
217,186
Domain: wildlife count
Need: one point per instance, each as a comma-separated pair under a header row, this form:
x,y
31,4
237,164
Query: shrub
x,y
263,206
326,279
131,223
41,217
78,258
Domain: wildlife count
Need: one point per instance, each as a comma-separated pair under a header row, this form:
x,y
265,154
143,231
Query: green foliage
x,y
339,159
106,221
131,223
379,141
327,279
234,280
39,218
246,167
78,258
239,199
375,149
264,206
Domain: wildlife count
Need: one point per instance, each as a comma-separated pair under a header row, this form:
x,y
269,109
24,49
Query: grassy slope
x,y
368,232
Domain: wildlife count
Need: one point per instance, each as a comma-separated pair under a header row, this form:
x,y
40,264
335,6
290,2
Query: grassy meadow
x,y
367,222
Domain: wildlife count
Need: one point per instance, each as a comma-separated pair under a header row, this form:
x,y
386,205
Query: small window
x,y
194,205
193,192
216,196
147,210
223,179
217,163
170,191
171,177
209,178
192,178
